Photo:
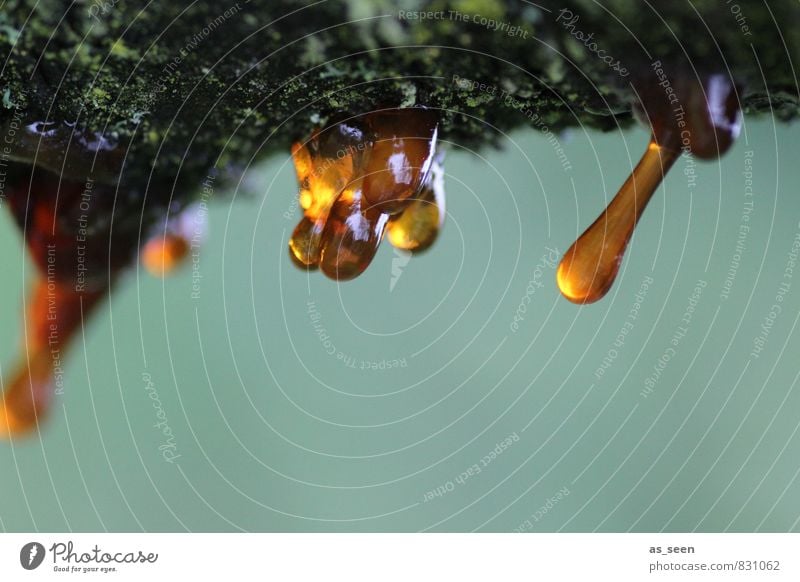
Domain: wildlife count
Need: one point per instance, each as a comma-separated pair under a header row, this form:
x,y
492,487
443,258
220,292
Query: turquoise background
x,y
275,434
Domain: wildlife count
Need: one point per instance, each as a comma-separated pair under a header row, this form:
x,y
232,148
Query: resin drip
x,y
54,316
701,118
67,226
590,266
415,229
358,176
169,247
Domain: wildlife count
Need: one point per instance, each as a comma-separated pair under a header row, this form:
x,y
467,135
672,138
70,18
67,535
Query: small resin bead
x,y
352,236
416,228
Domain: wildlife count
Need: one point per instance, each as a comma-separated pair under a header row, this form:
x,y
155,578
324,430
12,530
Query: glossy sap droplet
x,y
168,248
714,117
55,314
305,245
400,158
68,226
322,178
416,228
389,153
351,237
163,253
700,116
590,266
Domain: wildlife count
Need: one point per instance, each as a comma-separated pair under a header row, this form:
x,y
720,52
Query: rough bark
x,y
254,76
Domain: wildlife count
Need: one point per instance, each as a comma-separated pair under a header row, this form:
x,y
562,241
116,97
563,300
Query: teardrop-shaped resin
x,y
323,172
305,245
55,316
400,158
417,226
686,113
589,267
701,115
351,237
163,253
68,227
390,153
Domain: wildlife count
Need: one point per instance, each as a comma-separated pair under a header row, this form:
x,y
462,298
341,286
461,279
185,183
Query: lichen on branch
x,y
183,87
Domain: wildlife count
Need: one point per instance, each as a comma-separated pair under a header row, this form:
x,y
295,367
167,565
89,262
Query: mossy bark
x,y
170,90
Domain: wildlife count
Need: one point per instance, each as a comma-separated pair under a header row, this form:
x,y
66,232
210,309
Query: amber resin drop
x,y
170,245
305,245
323,171
55,316
163,254
67,226
415,229
353,175
400,158
590,266
352,236
700,117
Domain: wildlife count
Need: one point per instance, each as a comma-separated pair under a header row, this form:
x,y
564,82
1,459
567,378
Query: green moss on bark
x,y
180,88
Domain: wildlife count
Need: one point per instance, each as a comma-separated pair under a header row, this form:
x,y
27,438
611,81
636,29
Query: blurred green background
x,y
274,433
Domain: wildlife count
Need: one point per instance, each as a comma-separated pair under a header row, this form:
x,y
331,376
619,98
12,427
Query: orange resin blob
x,y
400,158
700,117
170,245
305,245
415,229
162,254
352,235
68,228
324,167
353,176
67,233
54,317
590,266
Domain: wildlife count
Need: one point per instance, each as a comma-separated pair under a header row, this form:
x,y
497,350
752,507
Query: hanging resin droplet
x,y
590,266
55,315
163,254
352,236
701,117
67,226
352,176
708,118
416,228
400,158
324,167
305,245
169,246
